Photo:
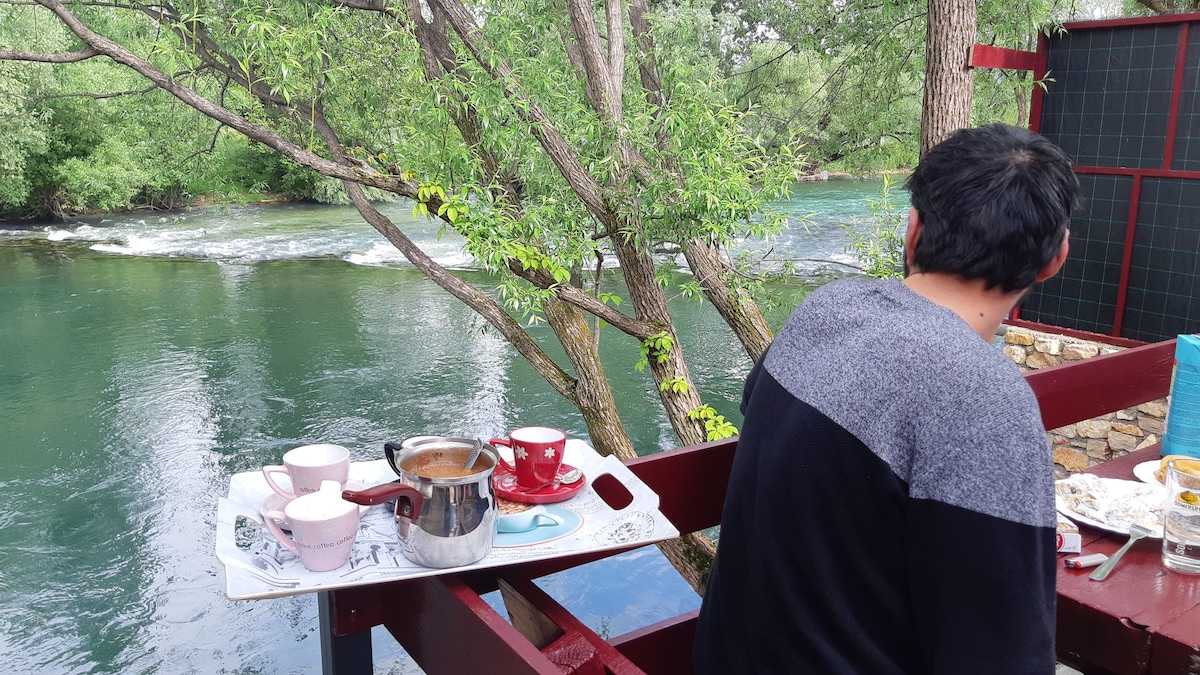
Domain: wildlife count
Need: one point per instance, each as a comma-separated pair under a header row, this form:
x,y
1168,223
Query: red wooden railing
x,y
447,628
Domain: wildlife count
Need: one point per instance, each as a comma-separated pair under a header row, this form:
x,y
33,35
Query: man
x,y
890,507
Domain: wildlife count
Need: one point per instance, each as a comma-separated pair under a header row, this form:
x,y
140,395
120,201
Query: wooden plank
x,y
348,654
1175,647
352,610
447,628
527,619
690,482
662,648
987,56
580,650
1093,642
1080,390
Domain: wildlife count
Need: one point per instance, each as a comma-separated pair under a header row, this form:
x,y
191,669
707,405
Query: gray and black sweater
x,y
890,507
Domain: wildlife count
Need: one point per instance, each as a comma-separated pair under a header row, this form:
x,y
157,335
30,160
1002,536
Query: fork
x,y
1135,532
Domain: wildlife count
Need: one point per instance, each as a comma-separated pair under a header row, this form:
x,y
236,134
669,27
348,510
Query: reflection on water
x,y
142,364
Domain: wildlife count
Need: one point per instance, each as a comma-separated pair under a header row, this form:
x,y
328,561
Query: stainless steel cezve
x,y
441,522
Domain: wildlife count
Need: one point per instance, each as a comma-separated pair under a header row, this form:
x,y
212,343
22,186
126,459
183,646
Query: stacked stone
x,y
1084,444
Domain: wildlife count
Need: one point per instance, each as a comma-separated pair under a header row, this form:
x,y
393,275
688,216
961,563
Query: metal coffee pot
x,y
441,520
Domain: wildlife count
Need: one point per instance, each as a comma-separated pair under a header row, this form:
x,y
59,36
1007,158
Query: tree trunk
x,y
1022,99
949,35
591,393
740,312
722,288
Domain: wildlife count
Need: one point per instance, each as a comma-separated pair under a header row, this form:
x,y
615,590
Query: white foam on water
x,y
383,254
256,235
250,234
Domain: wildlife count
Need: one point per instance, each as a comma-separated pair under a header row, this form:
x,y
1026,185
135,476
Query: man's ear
x,y
912,235
1059,259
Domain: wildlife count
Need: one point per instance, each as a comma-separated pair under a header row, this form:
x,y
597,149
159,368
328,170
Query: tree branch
x,y
551,140
778,57
97,97
360,174
67,57
372,6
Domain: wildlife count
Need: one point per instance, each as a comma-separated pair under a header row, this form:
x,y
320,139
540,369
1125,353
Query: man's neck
x,y
983,309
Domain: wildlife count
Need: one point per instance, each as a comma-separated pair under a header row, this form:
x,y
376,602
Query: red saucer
x,y
507,487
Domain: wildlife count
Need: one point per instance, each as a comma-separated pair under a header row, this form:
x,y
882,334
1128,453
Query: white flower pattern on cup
x,y
520,452
549,453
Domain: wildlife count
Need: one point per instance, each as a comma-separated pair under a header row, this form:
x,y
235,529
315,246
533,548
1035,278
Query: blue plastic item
x,y
1182,435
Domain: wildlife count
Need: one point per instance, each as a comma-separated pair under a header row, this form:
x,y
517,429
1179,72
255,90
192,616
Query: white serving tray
x,y
258,567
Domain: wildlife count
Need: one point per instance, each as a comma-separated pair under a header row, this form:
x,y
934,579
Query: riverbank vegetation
x,y
841,81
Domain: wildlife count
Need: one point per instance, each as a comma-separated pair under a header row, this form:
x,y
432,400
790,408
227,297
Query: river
x,y
145,359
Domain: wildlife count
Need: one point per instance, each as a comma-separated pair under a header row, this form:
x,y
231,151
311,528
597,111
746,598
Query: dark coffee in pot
x,y
447,463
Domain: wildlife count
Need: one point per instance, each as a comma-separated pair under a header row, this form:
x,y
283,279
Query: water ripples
x,y
136,384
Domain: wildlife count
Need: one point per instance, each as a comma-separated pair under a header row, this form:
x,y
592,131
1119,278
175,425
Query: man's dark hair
x,y
995,202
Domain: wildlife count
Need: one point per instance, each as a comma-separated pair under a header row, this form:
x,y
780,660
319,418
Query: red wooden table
x,y
1143,619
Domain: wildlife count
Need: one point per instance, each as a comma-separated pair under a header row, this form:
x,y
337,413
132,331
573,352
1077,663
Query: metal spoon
x,y
567,478
474,454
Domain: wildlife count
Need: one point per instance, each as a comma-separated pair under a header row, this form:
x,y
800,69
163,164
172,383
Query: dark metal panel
x,y
1083,295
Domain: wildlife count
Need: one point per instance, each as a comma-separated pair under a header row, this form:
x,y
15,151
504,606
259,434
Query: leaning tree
x,y
552,136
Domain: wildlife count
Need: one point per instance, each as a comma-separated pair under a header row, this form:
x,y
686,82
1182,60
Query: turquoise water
x,y
144,360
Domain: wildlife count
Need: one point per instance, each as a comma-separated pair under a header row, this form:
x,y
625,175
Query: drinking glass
x,y
1181,536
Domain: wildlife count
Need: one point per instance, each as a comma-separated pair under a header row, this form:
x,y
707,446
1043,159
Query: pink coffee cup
x,y
537,454
307,466
323,527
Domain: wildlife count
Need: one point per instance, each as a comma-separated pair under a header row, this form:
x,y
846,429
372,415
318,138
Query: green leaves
x,y
879,249
657,347
675,385
715,426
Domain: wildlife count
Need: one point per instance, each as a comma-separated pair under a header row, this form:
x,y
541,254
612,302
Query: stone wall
x,y
1090,442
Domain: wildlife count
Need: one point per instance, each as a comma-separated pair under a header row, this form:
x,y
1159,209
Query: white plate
x,y
1145,472
1113,490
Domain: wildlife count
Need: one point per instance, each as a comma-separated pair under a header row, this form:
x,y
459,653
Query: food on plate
x,y
1114,503
1189,465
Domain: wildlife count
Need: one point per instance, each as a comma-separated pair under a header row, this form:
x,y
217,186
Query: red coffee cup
x,y
537,454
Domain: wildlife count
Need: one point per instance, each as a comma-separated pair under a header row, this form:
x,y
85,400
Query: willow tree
x,y
851,77
550,135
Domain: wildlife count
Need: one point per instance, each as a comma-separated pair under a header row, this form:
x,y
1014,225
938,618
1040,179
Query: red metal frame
x,y
1135,200
1092,387
1131,21
1176,91
987,56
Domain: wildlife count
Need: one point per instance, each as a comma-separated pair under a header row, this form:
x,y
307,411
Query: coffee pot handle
x,y
409,500
389,451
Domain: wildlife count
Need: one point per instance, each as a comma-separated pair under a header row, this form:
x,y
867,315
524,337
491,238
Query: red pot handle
x,y
408,499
